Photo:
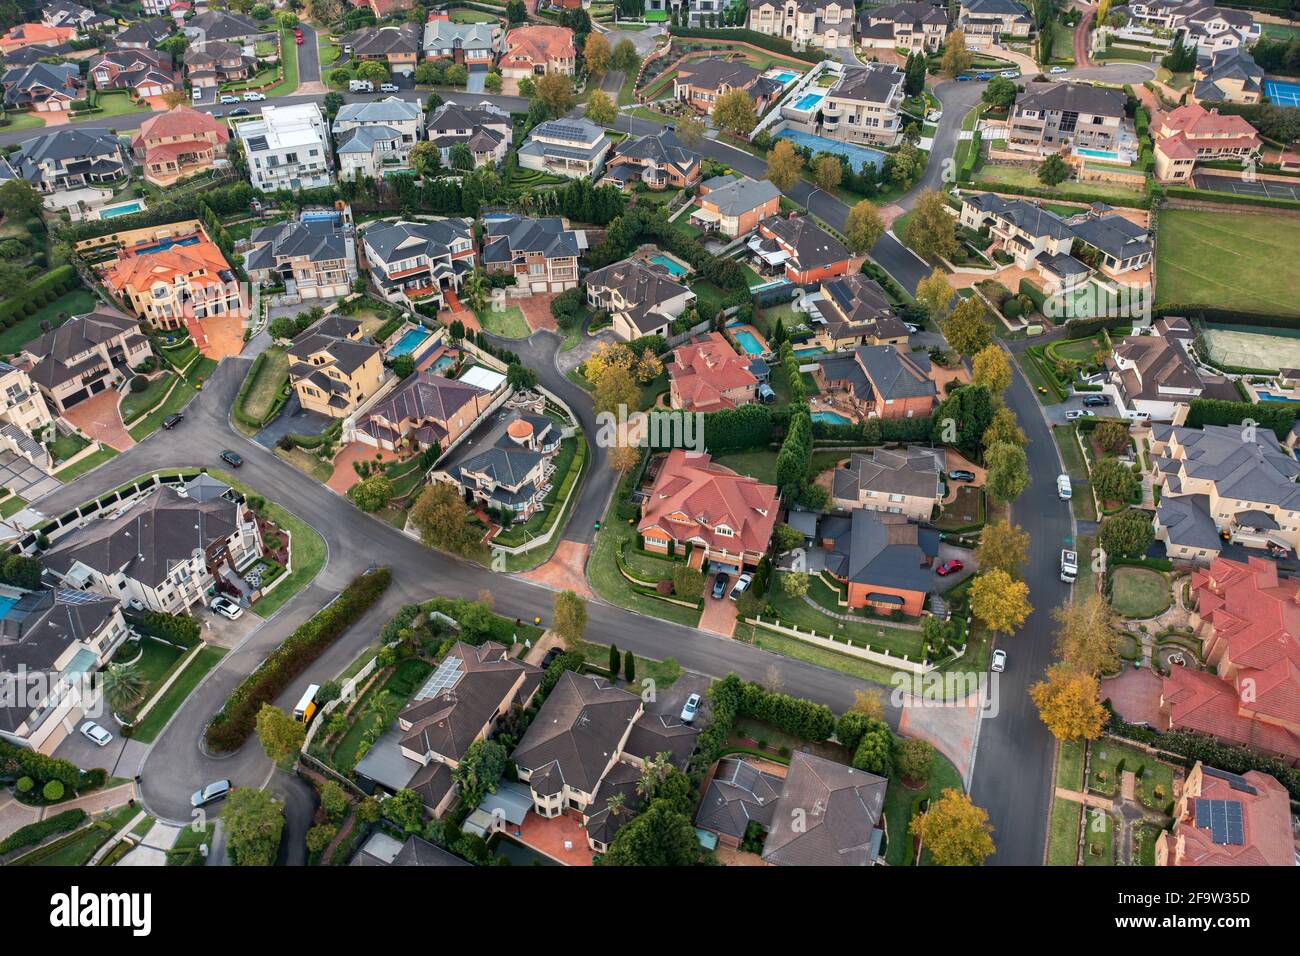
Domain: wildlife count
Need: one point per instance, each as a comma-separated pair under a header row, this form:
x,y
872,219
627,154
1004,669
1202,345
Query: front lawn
x,y
176,400
756,463
1098,839
1017,177
901,804
1069,765
267,387
377,709
118,103
861,631
509,324
1212,258
1138,592
151,726
134,404
608,582
1063,833
86,464
1109,759
154,661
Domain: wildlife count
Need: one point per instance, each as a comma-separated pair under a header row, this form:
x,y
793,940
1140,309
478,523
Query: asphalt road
x,y
308,56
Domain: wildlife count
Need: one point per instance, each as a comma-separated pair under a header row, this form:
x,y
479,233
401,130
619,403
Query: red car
x,y
949,567
297,36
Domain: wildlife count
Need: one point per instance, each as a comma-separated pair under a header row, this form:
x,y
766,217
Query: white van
x,y
227,99
252,96
197,94
1063,487
360,86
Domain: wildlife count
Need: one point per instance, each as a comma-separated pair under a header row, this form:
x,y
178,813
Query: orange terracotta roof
x,y
538,44
1266,838
30,34
180,121
201,263
1202,702
692,498
706,368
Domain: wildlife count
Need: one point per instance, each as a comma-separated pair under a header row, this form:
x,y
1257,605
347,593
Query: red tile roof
x,y
1188,128
180,121
1266,822
1253,609
1199,701
539,44
692,498
706,368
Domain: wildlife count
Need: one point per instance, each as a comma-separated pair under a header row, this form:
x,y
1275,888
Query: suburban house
x,y
574,148
461,703
287,148
808,23
35,34
23,411
1242,489
42,87
804,251
412,262
514,474
396,46
886,561
484,130
333,368
180,143
640,300
864,106
164,551
222,25
1047,117
211,63
913,26
1228,819
375,138
1114,243
853,310
1245,617
70,158
724,519
53,640
313,258
474,44
542,254
142,72
699,83
1156,377
1192,134
879,381
734,205
65,13
1200,24
657,161
1229,76
423,411
82,356
380,849
738,793
707,375
985,22
535,50
165,286
906,481
145,34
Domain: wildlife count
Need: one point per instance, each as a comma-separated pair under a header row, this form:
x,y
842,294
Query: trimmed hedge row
x,y
236,720
1229,199
1214,313
19,761
1056,195
41,291
34,833
775,44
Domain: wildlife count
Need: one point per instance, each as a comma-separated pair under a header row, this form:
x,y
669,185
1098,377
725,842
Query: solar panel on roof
x,y
1224,820
444,677
79,597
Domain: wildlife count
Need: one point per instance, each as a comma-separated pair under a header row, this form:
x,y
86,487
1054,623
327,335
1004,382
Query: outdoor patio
x,y
562,838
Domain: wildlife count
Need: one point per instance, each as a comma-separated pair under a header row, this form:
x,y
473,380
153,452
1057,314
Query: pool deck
x,y
758,336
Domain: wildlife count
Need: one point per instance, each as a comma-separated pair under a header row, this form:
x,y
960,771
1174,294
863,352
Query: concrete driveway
x,y
474,84
221,631
293,419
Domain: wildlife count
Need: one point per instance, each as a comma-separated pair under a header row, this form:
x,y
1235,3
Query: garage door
x,y
75,397
723,566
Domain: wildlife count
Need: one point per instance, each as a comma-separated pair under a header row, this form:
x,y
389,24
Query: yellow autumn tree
x,y
956,832
1000,602
1067,703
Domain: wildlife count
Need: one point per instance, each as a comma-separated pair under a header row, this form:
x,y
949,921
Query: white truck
x,y
1063,490
1069,565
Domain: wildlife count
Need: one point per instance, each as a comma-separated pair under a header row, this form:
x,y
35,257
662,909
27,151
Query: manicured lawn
x,y
1069,766
86,464
20,121
326,50
76,302
799,650
966,510
12,505
1138,592
663,673
471,16
134,404
1109,758
509,324
178,398
710,297
65,446
149,728
609,583
900,802
1215,258
1098,839
879,635
1016,176
306,462
1063,833
155,663
760,464
289,82
118,103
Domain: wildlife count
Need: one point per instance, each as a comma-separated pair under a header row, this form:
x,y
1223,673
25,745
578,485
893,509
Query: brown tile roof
x,y
1260,803
425,396
828,815
706,368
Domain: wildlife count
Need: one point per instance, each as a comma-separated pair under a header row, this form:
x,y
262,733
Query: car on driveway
x,y
171,421
983,76
961,474
999,663
720,585
964,78
742,584
551,655
227,608
297,35
1058,69
913,328
949,567
1095,401
96,734
1077,413
692,706
211,793
231,458
239,111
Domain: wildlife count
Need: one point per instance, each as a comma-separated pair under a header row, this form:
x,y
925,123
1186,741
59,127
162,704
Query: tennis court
x,y
1282,93
1235,184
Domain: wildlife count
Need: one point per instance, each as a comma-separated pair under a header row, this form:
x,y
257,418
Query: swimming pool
x,y
784,77
1270,397
831,418
676,269
5,604
1106,154
748,341
162,245
122,209
1282,93
444,362
409,342
809,101
858,156
809,351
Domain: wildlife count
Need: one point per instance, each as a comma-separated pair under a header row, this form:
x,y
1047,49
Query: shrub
x,y
139,383
34,833
52,791
25,784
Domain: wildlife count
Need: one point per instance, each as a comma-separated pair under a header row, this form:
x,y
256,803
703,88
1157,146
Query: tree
x,y
786,538
319,837
123,685
622,458
956,58
957,832
629,666
516,11
968,410
1086,636
1003,546
934,292
457,75
863,226
734,110
688,583
1008,472
930,232
875,750
784,165
280,735
338,77
1181,57
1113,480
406,809
1067,703
1000,602
373,70
659,836
493,82
333,800
1111,435
443,519
990,367
426,157
615,661
18,200
596,54
795,584
616,385
373,493
913,758
868,702
570,616
625,59
999,93
520,377
480,770
600,109
1127,534
253,821
1004,429
332,103
689,130
827,172
460,157
965,329
906,165
555,91
1053,170
324,11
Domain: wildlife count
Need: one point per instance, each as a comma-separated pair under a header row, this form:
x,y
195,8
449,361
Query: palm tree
x,y
616,803
475,288
123,685
652,775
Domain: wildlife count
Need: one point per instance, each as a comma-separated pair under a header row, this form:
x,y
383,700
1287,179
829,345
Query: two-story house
x,y
484,130
425,410
640,300
918,26
287,147
412,262
884,561
853,310
986,22
1226,819
397,46
165,286
1048,117
879,381
735,205
657,161
334,368
23,412
706,375
71,158
808,23
474,44
313,258
700,83
178,144
801,250
1155,377
535,50
542,254
575,148
1191,134
900,481
373,139
213,62
514,474
864,106
1228,76
142,72
82,356
42,87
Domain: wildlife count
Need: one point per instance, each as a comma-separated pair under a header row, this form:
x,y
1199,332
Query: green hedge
x,y
236,721
1230,199
1057,195
20,303
19,761
762,40
34,833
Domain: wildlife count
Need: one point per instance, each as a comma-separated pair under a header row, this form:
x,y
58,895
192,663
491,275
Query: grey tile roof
x,y
548,236
1186,519
362,139
391,109
903,471
55,351
813,246
888,551
894,373
404,240
734,196
443,34
426,395
1035,220
378,850
738,793
712,72
220,25
662,148
1072,97
1115,236
827,815
319,240
876,83
386,40
1259,471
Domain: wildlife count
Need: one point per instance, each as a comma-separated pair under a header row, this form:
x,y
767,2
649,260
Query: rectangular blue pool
x,y
858,156
1270,397
409,342
747,341
808,101
122,209
676,270
162,245
6,604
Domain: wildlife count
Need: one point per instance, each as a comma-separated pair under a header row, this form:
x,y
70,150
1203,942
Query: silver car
x,y
692,706
96,734
211,793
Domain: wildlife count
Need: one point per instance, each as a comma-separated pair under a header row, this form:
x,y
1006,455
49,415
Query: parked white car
x,y
227,608
252,96
96,734
1058,69
388,87
933,116
999,661
227,99
1009,74
1078,413
197,94
742,584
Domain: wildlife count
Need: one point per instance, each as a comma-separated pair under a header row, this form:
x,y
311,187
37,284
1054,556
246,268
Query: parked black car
x,y
171,421
1093,401
720,585
231,458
